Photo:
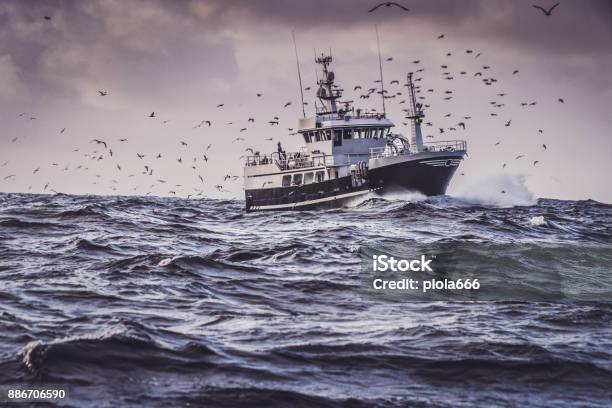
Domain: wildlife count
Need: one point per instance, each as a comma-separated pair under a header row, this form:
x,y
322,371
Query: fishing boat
x,y
347,153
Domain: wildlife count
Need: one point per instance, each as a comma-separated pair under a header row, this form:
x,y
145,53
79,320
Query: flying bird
x,y
441,36
220,105
548,12
100,142
561,100
388,4
152,115
287,104
103,93
544,146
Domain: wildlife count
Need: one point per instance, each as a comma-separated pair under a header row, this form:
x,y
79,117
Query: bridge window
x,y
319,176
297,179
348,134
318,136
287,180
337,137
308,177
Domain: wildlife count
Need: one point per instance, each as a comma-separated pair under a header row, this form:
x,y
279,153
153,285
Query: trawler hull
x,y
426,174
429,175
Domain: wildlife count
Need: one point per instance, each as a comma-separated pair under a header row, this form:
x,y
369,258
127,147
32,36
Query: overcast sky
x,y
181,59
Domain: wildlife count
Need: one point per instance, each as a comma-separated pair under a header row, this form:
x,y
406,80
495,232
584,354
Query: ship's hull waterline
x,y
426,176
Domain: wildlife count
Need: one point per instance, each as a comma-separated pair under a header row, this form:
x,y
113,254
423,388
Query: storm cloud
x,y
182,58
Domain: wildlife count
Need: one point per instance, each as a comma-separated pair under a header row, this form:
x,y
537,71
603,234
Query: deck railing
x,y
441,146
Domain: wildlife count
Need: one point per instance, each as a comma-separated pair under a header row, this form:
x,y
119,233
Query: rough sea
x,y
168,302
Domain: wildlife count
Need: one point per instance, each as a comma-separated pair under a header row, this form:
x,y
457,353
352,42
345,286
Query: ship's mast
x,y
326,93
382,83
416,115
297,61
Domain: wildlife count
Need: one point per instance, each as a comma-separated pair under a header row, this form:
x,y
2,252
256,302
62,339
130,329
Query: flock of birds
x,y
101,151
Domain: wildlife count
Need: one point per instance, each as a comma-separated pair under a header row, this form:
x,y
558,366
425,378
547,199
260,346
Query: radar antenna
x,y
327,92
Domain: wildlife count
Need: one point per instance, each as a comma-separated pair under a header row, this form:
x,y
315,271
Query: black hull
x,y
430,180
412,175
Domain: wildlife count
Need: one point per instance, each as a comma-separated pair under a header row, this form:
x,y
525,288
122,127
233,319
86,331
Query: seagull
x,y
561,100
389,59
237,139
259,95
47,18
536,162
496,144
243,129
220,105
273,122
508,122
152,115
183,143
519,156
140,156
287,104
388,4
441,36
357,87
548,12
103,93
516,71
36,170
100,142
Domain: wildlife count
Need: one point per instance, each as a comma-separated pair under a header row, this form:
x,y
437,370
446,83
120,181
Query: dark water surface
x,y
168,303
